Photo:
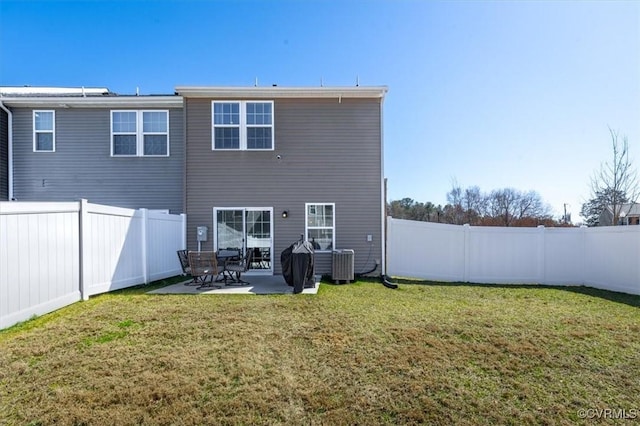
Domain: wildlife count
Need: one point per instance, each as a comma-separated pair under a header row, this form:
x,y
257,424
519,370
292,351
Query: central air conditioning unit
x,y
342,265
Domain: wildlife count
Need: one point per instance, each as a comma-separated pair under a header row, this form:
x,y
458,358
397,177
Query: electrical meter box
x,y
202,233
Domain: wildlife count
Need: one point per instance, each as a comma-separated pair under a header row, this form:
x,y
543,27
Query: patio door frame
x,y
244,210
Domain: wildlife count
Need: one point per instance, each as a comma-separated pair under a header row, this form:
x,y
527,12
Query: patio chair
x,y
265,257
183,257
204,268
256,258
234,270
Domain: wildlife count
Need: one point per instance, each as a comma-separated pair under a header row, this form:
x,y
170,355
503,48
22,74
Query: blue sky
x,y
493,94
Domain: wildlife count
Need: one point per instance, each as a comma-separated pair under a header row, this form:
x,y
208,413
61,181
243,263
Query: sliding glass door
x,y
249,229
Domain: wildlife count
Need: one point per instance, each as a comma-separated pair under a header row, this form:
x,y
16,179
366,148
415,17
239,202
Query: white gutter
x,y
9,150
168,101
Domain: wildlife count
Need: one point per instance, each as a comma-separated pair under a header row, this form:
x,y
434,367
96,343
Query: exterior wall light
x,y
285,214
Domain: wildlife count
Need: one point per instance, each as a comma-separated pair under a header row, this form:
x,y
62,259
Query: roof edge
x,y
93,101
281,92
52,91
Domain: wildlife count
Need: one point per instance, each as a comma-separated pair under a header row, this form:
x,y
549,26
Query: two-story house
x,y
67,144
259,167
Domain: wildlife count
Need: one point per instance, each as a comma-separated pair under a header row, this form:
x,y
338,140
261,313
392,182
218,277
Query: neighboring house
x,y
629,215
259,167
73,143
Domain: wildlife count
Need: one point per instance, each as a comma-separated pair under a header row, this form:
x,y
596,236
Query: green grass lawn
x,y
352,354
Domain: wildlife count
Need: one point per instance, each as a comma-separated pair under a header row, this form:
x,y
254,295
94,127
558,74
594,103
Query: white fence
x,y
54,254
604,257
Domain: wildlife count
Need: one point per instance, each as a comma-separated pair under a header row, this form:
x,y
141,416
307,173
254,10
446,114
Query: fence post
x,y
636,287
143,244
466,249
583,257
183,216
82,223
542,273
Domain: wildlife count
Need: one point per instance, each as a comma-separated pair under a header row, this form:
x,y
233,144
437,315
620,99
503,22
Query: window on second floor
x,y
242,125
44,131
140,133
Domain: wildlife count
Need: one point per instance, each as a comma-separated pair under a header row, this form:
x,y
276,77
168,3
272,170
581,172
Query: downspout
x,y
383,192
9,151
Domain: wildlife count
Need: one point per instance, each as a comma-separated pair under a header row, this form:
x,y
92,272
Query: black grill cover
x,y
285,260
298,266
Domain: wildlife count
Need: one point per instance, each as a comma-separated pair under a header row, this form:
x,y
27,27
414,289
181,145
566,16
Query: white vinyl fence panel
x,y
612,258
39,259
112,248
503,255
165,235
606,257
564,260
54,254
424,250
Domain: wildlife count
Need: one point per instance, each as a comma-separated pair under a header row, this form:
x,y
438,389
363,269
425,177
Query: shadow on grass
x,y
627,299
145,288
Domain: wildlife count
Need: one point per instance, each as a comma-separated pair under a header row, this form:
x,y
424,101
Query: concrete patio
x,y
258,284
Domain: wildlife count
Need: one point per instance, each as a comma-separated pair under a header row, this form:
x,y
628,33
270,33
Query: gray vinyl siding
x,y
330,153
82,166
4,156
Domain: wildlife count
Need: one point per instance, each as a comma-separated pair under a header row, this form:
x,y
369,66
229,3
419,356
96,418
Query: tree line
x,y
500,207
614,189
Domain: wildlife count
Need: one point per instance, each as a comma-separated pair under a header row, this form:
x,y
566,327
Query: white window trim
x,y
52,131
333,224
242,125
113,134
139,133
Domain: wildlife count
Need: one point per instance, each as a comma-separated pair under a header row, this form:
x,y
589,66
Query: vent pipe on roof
x,y
84,95
137,91
256,83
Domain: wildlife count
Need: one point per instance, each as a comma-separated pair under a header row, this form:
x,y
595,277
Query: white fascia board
x,y
94,102
281,92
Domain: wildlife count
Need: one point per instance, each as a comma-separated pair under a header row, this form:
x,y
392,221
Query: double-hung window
x,y
140,133
44,131
242,125
320,222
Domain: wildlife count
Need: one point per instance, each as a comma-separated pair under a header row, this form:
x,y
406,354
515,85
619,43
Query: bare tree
x,y
510,207
454,210
465,205
475,204
616,182
503,204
